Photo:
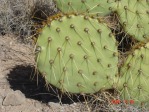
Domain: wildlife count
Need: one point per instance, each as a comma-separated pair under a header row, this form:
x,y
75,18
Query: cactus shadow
x,y
23,78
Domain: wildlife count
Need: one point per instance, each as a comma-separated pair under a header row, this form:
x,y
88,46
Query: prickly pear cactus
x,y
134,17
100,7
77,54
134,83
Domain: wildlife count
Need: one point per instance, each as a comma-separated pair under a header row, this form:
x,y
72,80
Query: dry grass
x,y
16,16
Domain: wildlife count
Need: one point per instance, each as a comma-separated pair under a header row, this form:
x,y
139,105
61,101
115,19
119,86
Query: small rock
x,y
46,109
54,105
14,98
38,105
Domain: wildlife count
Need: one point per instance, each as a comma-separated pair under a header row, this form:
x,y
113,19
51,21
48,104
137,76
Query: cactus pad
x,y
77,54
134,17
101,7
135,76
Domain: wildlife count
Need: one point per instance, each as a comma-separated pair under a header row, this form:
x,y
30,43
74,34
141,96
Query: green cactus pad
x,y
134,83
77,54
102,7
134,17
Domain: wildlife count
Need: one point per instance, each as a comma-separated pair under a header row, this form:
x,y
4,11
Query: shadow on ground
x,y
23,78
